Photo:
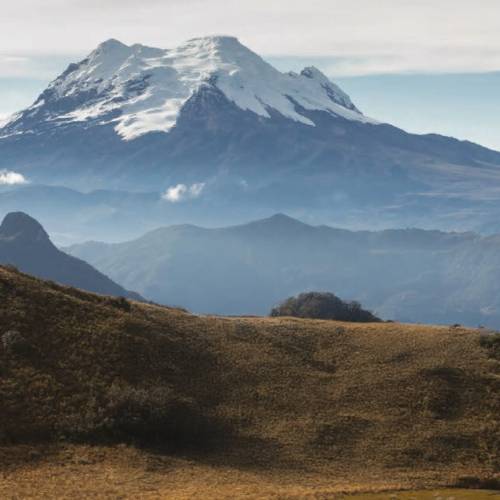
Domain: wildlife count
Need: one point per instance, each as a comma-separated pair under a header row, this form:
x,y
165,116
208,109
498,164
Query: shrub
x,y
323,305
156,414
119,303
14,343
491,341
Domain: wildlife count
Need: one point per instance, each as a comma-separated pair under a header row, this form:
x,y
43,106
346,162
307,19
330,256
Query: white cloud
x,y
4,118
15,59
196,189
181,192
10,178
369,36
425,60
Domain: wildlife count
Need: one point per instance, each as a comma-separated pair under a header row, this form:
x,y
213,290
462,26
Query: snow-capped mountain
x,y
213,115
141,89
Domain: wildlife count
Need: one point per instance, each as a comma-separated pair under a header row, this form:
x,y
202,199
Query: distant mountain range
x,y
408,275
224,131
72,216
25,245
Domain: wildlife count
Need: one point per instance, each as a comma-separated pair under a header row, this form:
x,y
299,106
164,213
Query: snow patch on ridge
x,y
6,119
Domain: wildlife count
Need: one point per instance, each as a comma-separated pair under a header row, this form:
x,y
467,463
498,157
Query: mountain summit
x,y
20,226
143,89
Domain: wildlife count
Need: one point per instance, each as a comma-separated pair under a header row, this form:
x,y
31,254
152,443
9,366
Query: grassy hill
x,y
212,403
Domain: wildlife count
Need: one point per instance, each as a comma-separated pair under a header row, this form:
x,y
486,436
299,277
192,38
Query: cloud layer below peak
x,y
182,192
10,178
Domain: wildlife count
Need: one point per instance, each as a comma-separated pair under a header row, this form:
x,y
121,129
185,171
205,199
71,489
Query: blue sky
x,y
465,106
423,65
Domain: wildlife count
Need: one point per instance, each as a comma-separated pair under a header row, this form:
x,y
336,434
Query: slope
x,y
225,401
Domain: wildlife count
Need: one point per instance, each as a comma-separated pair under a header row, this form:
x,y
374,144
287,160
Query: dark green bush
x,y
491,341
14,343
157,414
323,305
119,303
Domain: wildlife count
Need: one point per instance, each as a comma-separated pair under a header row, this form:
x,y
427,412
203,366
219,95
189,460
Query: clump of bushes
x,y
323,305
149,415
14,343
491,341
119,303
157,414
471,482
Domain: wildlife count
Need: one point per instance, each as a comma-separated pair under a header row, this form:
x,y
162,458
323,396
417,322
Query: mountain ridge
x,y
411,275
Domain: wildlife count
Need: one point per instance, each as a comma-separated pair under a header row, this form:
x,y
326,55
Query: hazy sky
x,y
348,38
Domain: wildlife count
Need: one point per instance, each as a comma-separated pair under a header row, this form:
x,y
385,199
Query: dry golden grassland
x,y
105,398
125,472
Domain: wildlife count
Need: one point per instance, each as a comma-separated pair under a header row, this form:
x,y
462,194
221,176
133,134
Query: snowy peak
x,y
140,89
334,92
223,43
218,49
111,45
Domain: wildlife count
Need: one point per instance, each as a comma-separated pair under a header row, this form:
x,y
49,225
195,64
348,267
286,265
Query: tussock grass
x,y
260,404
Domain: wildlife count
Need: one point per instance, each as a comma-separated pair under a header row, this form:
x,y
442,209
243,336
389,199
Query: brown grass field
x,y
101,398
